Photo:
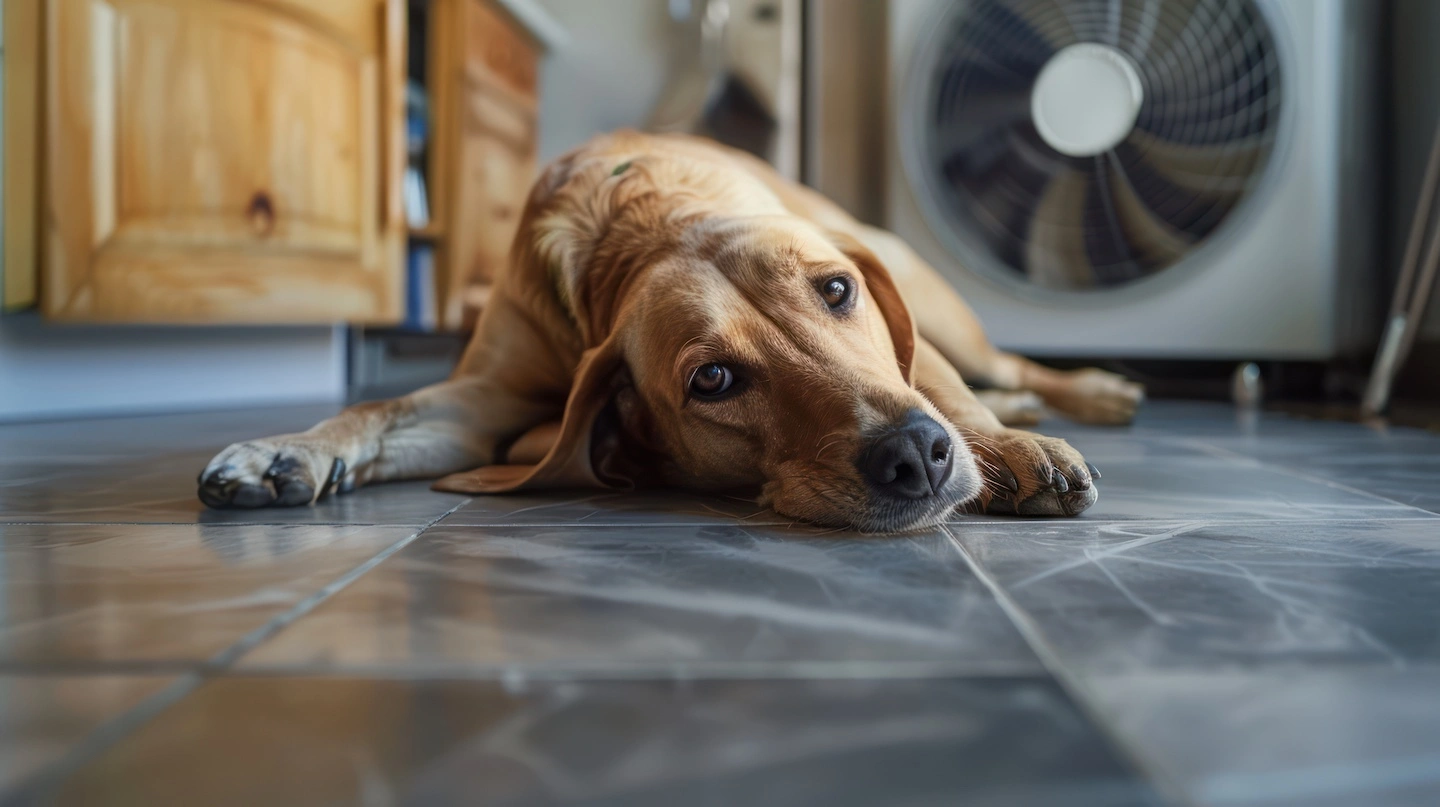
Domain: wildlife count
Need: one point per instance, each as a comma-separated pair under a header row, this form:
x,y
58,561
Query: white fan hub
x,y
1086,99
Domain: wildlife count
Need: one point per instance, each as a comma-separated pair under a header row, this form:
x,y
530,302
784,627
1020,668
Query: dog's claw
x,y
1094,472
1057,481
337,473
1009,481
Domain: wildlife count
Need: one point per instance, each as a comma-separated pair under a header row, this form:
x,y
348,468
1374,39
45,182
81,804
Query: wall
x,y
51,371
609,73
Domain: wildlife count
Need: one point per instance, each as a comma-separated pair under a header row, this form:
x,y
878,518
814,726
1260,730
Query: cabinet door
x,y
494,154
224,160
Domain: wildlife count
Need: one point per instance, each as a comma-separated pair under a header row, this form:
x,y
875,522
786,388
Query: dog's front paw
x,y
275,472
1031,475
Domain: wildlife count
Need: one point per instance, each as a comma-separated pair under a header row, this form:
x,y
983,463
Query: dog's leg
x,y
944,318
435,431
1025,473
505,384
1015,409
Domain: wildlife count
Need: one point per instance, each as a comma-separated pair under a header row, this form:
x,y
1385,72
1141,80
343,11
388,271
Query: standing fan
x,y
1081,145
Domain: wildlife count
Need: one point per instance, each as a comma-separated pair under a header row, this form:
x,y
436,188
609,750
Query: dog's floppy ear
x,y
882,288
578,449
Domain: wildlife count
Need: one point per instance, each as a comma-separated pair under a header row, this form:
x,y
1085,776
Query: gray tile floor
x,y
1248,616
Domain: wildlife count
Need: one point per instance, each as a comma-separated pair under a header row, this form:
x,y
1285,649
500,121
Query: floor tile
x,y
161,490
41,718
1315,738
278,741
1323,444
1212,595
1403,466
1410,481
1103,448
81,595
1222,488
606,509
718,600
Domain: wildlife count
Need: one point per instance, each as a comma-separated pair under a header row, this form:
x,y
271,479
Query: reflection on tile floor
x,y
42,718
654,508
156,593
1245,618
1333,736
1151,595
634,599
161,490
989,741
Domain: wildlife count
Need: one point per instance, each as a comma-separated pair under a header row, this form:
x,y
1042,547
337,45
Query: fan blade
x,y
1168,33
1218,70
1001,189
1050,20
1160,24
982,82
1153,242
1113,259
1216,107
1224,171
1192,212
1055,253
973,142
1017,37
1140,22
1092,20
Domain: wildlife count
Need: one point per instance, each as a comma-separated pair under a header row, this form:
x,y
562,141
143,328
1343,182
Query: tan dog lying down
x,y
676,313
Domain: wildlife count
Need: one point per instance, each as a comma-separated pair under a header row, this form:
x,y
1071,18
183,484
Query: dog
x,y
676,313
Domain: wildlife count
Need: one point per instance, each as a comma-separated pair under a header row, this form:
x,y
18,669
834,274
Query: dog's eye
x,y
711,380
837,292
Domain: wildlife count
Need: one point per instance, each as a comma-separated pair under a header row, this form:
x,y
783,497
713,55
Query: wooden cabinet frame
x,y
483,69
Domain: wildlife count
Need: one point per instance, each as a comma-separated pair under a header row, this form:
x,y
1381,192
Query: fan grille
x,y
1205,131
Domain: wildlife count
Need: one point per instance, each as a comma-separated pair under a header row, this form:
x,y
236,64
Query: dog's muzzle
x,y
912,460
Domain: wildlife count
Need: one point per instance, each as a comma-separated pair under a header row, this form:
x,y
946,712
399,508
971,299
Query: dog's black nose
x,y
911,460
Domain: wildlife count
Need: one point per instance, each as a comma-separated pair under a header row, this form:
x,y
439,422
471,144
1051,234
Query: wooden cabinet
x,y
485,79
224,160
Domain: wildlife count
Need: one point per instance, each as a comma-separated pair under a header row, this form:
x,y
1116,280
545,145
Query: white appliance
x,y
1142,178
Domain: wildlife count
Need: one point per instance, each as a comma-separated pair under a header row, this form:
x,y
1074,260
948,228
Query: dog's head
x,y
761,353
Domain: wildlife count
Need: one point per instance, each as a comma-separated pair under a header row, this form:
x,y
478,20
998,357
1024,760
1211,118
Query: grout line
x,y
144,667
1029,523
1070,682
98,741
247,643
521,672
456,669
593,526
578,525
1225,453
6,523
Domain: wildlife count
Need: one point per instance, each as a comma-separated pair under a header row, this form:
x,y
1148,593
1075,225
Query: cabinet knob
x,y
261,213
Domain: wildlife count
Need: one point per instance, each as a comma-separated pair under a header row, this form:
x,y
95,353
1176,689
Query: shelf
x,y
430,232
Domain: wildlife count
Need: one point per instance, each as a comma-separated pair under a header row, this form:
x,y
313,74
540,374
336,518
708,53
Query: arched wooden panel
x,y
224,160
